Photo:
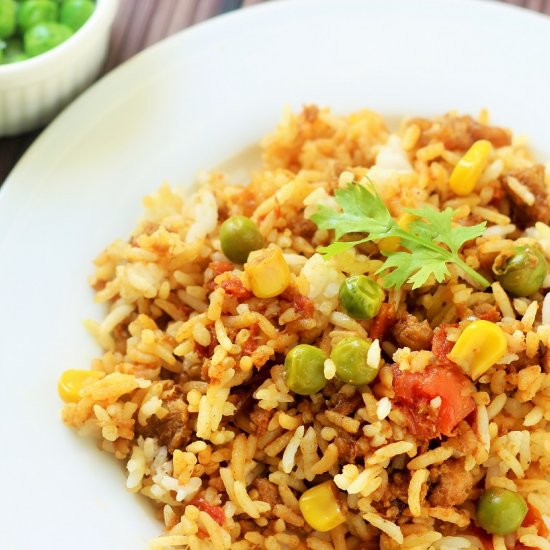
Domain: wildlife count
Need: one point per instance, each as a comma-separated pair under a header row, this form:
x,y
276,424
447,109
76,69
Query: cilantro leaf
x,y
429,243
363,211
338,247
441,229
415,268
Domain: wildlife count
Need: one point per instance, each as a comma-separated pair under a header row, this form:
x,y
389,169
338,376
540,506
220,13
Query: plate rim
x,y
124,70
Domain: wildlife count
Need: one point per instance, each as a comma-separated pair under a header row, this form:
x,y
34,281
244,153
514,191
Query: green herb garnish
x,y
431,241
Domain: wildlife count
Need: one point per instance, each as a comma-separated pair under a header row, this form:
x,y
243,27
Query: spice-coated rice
x,y
193,394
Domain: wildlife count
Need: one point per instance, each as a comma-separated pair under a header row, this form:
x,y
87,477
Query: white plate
x,y
184,106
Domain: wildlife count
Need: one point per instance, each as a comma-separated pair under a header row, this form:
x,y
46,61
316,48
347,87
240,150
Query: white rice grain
x,y
191,301
418,478
435,403
423,541
329,369
535,541
500,481
521,190
196,447
452,543
502,300
383,407
203,418
499,230
374,355
244,500
435,456
115,317
391,529
221,335
482,425
363,480
344,321
189,490
534,416
201,335
529,317
491,215
204,211
511,461
136,469
389,451
525,450
496,405
289,455
220,539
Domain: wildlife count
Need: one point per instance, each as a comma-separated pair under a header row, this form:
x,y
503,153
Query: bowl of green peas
x,y
50,51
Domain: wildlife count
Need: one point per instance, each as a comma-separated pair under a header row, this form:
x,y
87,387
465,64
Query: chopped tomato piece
x,y
534,517
303,305
485,539
234,287
250,345
215,512
441,346
202,534
220,267
414,392
383,321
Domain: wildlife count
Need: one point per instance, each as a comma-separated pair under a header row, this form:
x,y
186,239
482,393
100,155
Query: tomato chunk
x,y
215,512
383,321
303,305
414,392
535,518
220,267
251,344
234,287
485,539
441,347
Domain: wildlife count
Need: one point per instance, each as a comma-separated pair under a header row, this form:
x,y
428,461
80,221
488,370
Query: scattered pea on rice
x,y
415,412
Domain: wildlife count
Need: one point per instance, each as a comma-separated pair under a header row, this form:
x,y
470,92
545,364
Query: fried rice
x,y
190,391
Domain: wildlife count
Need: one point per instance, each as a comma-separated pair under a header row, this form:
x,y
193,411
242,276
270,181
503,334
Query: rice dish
x,y
231,390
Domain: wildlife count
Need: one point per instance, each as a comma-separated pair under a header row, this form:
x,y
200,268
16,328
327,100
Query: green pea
x,y
44,37
8,18
500,511
361,297
304,369
520,270
239,236
74,13
350,358
33,12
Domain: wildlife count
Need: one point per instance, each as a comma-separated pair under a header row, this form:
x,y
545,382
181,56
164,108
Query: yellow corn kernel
x,y
72,381
470,167
320,507
391,244
479,347
268,272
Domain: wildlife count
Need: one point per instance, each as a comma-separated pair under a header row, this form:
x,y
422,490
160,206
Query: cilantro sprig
x,y
428,244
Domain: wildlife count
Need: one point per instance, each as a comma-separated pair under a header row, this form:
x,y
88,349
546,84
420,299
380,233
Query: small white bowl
x,y
32,92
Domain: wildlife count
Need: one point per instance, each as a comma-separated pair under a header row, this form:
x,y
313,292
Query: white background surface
x,y
181,107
